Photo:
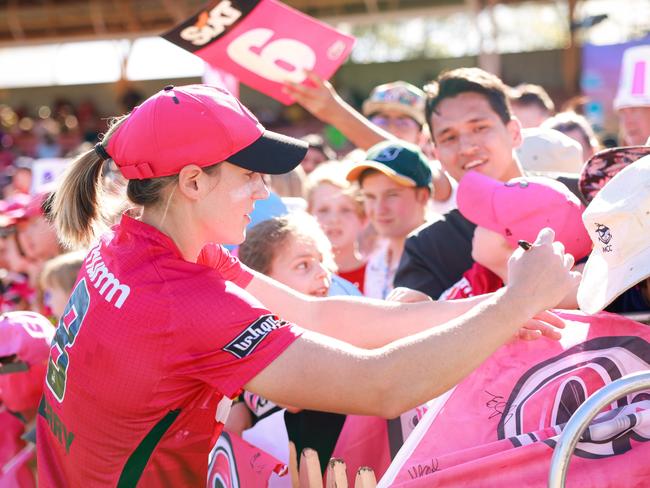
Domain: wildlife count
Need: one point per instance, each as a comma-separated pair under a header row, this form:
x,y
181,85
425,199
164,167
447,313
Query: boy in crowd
x,y
395,182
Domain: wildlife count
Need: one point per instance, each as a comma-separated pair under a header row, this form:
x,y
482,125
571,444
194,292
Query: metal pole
x,y
585,413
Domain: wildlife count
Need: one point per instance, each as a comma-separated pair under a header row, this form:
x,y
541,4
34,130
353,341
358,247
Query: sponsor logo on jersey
x,y
246,342
106,283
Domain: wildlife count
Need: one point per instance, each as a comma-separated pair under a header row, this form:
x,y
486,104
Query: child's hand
x,y
544,324
407,295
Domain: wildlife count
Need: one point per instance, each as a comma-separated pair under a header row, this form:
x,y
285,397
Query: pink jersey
x,y
148,353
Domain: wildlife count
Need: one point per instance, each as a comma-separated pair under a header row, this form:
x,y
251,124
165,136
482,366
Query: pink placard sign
x,y
263,43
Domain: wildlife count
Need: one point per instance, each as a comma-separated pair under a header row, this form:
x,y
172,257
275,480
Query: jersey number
x,y
66,333
276,60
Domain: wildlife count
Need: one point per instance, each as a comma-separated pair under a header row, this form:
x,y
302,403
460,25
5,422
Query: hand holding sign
x,y
263,42
317,96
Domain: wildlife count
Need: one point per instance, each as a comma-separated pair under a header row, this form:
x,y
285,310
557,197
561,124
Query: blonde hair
x,y
266,240
62,271
76,206
333,173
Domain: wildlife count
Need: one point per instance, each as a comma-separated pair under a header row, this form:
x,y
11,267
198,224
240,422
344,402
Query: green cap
x,y
402,162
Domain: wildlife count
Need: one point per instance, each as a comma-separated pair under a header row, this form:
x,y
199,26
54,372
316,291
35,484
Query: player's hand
x,y
540,277
316,95
544,324
407,295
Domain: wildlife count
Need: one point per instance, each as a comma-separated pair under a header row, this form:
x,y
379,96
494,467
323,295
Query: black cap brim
x,y
272,154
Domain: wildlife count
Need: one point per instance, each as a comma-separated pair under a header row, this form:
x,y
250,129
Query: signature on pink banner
x,y
263,43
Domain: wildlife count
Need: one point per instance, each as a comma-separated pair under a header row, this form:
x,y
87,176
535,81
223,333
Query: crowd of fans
x,y
404,216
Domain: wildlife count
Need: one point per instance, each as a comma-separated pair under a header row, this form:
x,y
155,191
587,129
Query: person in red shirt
x,y
164,327
506,213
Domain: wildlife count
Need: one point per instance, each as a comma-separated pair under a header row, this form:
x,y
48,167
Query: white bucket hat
x,y
618,222
634,83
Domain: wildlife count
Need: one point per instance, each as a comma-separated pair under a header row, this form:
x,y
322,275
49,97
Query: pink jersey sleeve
x,y
228,338
218,257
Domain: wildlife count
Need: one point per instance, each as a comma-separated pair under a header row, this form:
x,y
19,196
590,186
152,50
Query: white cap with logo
x,y
618,222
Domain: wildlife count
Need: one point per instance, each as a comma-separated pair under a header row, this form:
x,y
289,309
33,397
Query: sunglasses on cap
x,y
397,122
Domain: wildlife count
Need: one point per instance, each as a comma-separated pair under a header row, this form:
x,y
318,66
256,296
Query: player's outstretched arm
x,y
411,371
319,97
361,321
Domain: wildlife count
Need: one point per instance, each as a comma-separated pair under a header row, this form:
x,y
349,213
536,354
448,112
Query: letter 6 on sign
x,y
279,60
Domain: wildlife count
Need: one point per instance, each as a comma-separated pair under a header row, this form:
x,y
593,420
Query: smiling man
x,y
473,129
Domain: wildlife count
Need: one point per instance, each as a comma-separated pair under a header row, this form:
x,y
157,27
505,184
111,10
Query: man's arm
x,y
321,100
411,371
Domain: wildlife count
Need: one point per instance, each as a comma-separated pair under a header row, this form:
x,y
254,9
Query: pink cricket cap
x,y
27,336
202,125
522,207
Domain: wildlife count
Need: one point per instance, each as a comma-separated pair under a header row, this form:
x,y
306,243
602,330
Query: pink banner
x,y
499,426
363,442
235,463
263,43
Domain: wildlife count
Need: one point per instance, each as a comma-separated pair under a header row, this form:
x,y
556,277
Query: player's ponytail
x,y
77,204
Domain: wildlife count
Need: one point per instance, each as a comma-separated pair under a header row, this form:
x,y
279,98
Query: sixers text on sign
x,y
210,24
246,342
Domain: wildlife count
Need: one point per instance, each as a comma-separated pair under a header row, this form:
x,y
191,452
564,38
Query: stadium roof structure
x,y
25,22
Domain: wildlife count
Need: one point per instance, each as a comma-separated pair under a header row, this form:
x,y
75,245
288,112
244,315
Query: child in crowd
x,y
395,181
293,250
508,212
338,207
58,278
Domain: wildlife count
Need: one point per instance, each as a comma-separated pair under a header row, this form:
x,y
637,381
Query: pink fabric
x,y
234,463
26,335
14,472
498,427
363,442
522,207
477,280
218,257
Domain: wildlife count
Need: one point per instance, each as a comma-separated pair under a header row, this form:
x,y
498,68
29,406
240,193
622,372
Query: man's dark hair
x,y
462,80
527,95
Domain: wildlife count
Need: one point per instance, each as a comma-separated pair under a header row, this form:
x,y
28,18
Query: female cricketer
x,y
164,328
